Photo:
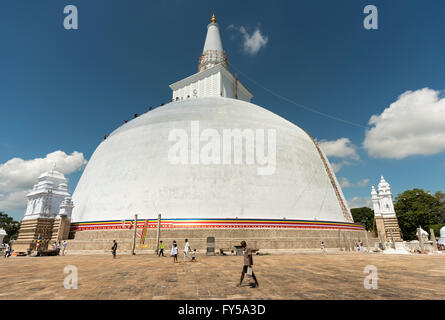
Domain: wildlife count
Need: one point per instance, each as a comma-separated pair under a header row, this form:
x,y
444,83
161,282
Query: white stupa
x,y
139,170
382,201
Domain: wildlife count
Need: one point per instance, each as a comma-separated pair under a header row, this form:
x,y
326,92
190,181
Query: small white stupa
x,y
66,208
48,214
2,235
442,236
47,195
384,213
382,201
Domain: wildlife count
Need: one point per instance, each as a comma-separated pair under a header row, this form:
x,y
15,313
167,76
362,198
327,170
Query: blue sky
x,y
64,89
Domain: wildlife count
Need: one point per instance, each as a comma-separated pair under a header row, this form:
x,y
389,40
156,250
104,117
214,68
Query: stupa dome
x,y
130,172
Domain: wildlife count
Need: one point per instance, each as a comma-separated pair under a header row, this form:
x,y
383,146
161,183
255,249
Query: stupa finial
x,y
213,20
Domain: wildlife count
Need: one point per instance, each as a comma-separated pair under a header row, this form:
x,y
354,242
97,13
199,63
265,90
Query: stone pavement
x,y
314,275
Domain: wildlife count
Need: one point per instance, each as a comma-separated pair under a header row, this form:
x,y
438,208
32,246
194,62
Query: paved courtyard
x,y
293,276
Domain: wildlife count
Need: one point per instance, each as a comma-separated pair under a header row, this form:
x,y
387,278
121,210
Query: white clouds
x,y
336,166
357,202
345,183
340,148
252,42
412,125
17,176
13,201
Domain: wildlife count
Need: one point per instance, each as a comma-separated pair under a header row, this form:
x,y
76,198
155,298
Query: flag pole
x,y
158,231
134,235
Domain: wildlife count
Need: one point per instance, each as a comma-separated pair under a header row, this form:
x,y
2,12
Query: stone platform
x,y
334,275
264,239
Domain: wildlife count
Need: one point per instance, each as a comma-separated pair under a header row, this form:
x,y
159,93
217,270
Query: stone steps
x,y
392,226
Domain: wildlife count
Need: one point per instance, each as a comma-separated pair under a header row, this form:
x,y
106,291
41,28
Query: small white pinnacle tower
x,y
66,207
47,195
385,199
384,213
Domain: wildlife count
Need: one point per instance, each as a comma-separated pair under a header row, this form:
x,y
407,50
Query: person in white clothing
x,y
186,250
323,248
7,251
64,245
174,252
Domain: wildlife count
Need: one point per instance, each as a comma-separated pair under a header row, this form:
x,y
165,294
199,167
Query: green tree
x,y
11,227
418,207
365,216
440,196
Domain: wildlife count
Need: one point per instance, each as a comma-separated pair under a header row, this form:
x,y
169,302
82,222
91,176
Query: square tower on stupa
x,y
213,78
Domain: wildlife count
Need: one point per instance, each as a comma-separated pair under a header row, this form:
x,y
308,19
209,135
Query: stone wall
x,y
61,229
30,230
263,239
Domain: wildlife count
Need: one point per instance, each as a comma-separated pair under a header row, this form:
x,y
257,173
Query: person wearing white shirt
x,y
174,252
7,251
323,248
186,249
64,245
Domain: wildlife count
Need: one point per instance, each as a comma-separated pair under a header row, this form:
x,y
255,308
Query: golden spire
x,y
213,18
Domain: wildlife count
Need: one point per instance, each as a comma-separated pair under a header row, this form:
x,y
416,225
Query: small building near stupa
x,y
441,240
2,235
48,213
384,213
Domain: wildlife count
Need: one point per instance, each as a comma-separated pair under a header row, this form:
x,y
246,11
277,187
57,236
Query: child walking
x,y
194,255
323,249
174,252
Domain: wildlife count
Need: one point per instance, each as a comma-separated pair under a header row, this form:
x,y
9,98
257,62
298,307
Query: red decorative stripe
x,y
182,224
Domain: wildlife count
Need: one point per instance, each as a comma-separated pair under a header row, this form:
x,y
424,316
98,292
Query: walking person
x,y
194,255
59,248
323,248
161,249
248,263
64,245
174,252
7,251
114,248
186,250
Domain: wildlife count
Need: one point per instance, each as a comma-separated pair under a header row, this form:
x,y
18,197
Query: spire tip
x,y
213,20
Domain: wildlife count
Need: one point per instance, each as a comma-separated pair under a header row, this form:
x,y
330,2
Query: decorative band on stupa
x,y
217,223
